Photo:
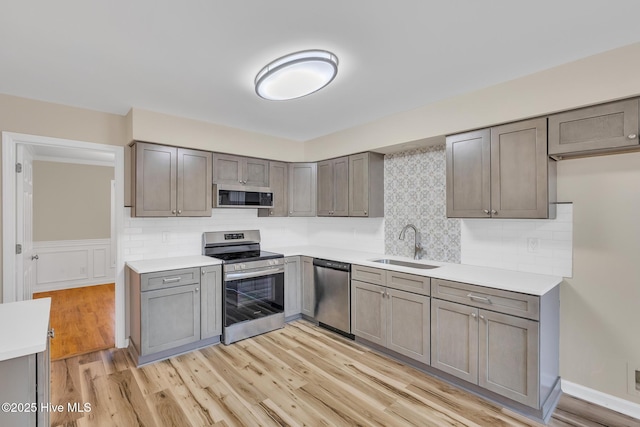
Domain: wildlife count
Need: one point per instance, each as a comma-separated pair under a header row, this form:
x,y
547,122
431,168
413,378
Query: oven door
x,y
253,294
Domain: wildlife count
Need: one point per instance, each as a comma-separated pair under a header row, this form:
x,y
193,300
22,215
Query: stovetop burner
x,y
246,256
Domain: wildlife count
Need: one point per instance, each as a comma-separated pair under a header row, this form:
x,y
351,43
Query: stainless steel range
x,y
253,283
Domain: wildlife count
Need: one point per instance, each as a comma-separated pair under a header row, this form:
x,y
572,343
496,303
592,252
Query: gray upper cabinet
x,y
238,170
279,184
502,172
601,128
333,187
366,185
302,189
170,181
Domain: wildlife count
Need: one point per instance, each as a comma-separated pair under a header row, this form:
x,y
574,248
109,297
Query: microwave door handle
x,y
250,274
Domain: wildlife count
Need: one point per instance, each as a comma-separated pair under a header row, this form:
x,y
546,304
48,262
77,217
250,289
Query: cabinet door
x,y
155,180
469,174
403,309
454,339
325,188
279,184
508,357
341,187
368,312
302,189
359,185
256,172
228,169
519,170
169,318
308,288
292,286
211,302
194,183
607,126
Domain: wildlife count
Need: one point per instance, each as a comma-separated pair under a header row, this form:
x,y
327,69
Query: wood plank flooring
x,y
297,376
83,319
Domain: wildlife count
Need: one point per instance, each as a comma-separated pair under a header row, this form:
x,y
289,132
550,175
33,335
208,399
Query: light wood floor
x,y
299,375
83,319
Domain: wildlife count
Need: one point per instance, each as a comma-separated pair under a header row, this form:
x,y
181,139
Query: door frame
x,y
12,290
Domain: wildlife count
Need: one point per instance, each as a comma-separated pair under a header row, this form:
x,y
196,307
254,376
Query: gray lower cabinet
x,y
502,172
170,181
601,128
239,170
26,382
308,287
333,187
292,287
502,341
366,185
302,189
279,184
381,314
174,311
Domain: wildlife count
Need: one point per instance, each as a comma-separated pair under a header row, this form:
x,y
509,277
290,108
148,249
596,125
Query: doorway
x,y
14,285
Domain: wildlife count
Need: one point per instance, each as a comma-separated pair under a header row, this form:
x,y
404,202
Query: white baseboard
x,y
602,399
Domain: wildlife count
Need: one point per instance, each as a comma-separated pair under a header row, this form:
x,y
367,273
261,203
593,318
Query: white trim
x,y
9,143
41,158
66,243
602,399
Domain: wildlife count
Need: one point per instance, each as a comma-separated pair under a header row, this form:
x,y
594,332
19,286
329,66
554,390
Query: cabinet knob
x,y
197,289
270,212
179,211
173,211
204,272
365,212
486,211
290,212
482,317
35,257
473,315
382,293
494,212
632,136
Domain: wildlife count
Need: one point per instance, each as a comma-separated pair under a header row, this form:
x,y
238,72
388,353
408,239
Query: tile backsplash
x,y
415,193
537,246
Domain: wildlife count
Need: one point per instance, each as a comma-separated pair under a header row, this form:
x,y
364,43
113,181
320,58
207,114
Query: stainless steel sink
x,y
405,263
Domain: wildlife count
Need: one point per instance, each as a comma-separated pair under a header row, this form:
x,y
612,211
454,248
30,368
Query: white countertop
x,y
24,327
175,263
516,281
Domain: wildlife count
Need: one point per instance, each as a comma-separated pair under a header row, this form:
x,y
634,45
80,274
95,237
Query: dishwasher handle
x,y
334,265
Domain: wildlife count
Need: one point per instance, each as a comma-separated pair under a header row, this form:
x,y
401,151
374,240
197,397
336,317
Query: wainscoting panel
x,y
65,264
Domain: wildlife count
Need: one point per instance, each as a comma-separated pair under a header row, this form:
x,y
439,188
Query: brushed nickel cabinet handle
x,y
632,136
479,298
494,212
486,211
171,280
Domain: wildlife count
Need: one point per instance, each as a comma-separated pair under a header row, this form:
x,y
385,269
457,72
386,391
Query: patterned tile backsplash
x,y
415,193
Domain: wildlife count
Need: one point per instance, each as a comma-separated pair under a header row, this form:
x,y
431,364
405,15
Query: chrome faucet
x,y
418,250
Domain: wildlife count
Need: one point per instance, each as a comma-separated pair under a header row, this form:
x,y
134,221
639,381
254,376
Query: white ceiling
x,y
198,58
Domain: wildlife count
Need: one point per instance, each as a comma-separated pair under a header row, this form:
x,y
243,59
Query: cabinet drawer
x,y
409,282
517,304
369,274
169,279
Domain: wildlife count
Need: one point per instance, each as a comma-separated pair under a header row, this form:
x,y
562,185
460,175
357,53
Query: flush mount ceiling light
x,y
296,75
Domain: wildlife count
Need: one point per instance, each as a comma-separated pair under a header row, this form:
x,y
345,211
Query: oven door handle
x,y
250,274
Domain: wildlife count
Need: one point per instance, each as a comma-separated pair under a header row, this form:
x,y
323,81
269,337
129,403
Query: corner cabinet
x,y
174,311
366,185
238,170
170,181
604,128
333,187
279,184
302,189
502,172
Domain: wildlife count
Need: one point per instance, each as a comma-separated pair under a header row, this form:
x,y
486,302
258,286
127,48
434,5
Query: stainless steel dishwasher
x,y
333,295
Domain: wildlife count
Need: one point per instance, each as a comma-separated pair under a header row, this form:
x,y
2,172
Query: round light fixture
x,y
296,75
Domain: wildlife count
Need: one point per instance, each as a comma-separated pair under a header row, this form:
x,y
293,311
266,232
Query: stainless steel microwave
x,y
241,196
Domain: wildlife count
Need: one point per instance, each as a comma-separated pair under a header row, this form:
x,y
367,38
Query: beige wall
x,y
71,201
607,76
156,127
600,305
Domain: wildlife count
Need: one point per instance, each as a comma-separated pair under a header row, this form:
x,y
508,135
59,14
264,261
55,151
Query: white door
x,y
25,268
